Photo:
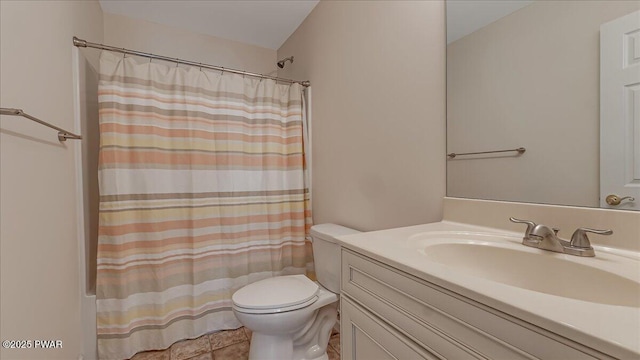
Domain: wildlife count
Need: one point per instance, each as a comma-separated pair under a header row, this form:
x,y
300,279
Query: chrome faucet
x,y
546,238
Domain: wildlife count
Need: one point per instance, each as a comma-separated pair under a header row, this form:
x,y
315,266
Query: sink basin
x,y
504,260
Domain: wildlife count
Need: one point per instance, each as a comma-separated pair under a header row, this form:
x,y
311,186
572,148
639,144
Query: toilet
x,y
292,316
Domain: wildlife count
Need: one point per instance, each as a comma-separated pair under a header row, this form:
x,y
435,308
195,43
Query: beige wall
x,y
121,31
377,74
88,77
40,257
378,140
530,79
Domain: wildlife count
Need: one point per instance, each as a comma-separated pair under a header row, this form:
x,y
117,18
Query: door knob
x,y
615,200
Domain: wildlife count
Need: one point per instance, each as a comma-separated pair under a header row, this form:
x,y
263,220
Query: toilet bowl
x,y
291,317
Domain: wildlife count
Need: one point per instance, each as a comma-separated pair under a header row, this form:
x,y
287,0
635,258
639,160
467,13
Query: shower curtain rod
x,y
83,43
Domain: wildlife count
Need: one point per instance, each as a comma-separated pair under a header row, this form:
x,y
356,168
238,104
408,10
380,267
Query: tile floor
x,y
221,345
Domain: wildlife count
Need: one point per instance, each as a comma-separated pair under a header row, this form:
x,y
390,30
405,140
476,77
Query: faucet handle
x,y
579,238
530,225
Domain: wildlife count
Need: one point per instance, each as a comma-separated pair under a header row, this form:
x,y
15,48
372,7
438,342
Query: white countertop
x,y
611,329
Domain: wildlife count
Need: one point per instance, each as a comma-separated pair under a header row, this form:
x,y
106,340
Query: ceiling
x,y
266,23
467,16
269,23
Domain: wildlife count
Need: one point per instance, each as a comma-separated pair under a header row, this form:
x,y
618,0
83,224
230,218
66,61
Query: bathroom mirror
x,y
528,74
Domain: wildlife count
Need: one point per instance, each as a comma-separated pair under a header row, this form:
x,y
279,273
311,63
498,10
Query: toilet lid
x,y
276,292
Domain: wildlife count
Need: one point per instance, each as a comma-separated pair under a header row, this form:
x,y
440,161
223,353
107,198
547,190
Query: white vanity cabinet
x,y
367,337
389,314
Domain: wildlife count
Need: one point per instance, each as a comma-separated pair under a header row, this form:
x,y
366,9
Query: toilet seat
x,y
277,294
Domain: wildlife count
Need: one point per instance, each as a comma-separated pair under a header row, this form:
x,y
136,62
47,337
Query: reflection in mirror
x,y
528,74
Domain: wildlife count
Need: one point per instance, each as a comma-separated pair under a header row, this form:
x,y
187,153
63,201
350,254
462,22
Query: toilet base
x,y
309,343
269,347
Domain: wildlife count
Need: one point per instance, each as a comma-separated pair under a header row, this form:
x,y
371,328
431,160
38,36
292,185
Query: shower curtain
x,y
202,191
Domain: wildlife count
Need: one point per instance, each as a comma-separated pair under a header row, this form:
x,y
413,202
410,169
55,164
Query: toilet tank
x,y
326,254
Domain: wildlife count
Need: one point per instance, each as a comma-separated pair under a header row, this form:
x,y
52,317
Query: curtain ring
x,y
200,66
177,62
124,53
222,71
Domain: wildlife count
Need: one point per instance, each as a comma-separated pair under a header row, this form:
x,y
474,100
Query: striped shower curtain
x,y
202,191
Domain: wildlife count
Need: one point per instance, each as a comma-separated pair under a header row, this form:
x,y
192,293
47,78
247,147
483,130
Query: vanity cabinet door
x,y
365,337
446,323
